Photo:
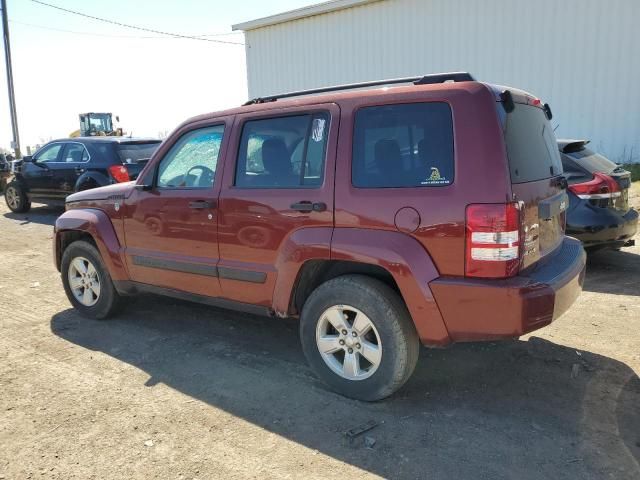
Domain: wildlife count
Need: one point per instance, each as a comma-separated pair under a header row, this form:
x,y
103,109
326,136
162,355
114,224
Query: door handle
x,y
203,204
79,170
306,206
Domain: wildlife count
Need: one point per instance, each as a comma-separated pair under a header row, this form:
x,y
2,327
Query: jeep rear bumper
x,y
477,309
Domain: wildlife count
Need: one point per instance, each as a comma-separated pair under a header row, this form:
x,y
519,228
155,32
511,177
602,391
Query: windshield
x,y
135,152
100,124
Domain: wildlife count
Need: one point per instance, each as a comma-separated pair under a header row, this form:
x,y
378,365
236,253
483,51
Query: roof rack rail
x,y
423,80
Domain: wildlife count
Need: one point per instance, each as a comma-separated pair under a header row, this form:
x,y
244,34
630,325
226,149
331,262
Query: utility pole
x,y
12,98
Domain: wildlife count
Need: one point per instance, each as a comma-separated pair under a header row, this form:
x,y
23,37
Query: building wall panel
x,y
582,56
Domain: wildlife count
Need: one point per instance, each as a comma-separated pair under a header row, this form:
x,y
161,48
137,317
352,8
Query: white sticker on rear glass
x,y
317,129
435,178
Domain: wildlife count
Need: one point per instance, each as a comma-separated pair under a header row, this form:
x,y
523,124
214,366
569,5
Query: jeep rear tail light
x,y
602,187
119,173
493,240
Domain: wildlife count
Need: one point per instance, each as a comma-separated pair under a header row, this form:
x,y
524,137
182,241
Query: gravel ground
x,y
174,390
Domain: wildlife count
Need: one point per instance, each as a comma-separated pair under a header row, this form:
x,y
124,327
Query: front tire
x,y
16,198
87,282
358,337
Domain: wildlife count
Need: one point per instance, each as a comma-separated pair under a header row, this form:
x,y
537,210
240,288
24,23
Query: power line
x,y
135,27
95,34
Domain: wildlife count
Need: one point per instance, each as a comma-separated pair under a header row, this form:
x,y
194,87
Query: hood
x,y
122,190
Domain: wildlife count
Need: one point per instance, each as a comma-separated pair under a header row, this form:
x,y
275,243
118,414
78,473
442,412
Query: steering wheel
x,y
205,179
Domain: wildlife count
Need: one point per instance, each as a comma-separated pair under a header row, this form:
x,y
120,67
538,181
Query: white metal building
x,y
581,56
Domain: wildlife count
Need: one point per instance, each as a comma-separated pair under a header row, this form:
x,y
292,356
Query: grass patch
x,y
634,168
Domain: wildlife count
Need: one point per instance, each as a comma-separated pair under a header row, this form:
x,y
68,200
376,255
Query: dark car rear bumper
x,y
602,226
476,309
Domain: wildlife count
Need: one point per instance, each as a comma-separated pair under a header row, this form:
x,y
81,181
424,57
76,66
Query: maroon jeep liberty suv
x,y
431,213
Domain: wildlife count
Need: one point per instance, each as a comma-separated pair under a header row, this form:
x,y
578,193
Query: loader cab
x,y
95,124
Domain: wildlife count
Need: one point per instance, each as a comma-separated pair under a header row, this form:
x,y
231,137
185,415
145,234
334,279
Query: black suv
x,y
599,213
62,167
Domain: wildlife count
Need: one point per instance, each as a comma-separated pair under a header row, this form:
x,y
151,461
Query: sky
x,y
152,84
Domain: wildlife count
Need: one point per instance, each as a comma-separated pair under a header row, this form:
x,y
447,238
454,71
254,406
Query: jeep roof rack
x,y
423,80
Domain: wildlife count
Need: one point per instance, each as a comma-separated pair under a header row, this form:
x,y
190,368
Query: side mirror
x,y
28,158
142,188
547,111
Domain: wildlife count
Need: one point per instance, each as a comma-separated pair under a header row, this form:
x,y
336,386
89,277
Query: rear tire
x,y
16,198
384,357
87,185
87,282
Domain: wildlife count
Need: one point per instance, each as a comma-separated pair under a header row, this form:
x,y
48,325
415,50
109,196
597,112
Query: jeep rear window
x,y
405,145
531,144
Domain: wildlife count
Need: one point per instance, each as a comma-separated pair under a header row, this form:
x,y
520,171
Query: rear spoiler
x,y
506,98
139,142
573,146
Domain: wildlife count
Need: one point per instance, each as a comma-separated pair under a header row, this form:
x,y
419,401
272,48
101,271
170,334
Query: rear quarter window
x,y
405,145
531,145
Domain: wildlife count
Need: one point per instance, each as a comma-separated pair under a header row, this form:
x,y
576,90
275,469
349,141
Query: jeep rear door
x,y
536,176
277,186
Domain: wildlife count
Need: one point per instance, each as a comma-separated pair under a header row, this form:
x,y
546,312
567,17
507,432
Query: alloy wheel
x,y
348,342
13,198
84,281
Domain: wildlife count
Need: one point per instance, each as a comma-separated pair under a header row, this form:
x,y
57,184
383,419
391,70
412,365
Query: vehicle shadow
x,y
615,272
520,409
41,214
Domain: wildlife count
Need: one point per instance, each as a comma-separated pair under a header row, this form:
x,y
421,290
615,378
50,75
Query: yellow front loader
x,y
97,125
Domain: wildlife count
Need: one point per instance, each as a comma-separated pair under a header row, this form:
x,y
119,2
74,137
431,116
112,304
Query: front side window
x,y
49,154
192,161
405,145
284,152
75,153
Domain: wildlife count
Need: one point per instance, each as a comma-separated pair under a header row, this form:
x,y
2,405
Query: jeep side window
x,y
283,152
405,145
49,154
192,161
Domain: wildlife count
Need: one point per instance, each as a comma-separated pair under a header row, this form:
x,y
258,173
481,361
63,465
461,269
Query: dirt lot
x,y
172,390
